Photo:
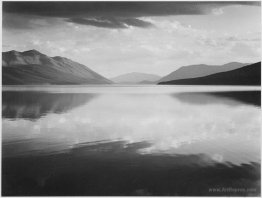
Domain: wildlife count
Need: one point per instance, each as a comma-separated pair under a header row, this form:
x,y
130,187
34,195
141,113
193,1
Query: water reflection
x,y
222,97
33,105
116,168
130,144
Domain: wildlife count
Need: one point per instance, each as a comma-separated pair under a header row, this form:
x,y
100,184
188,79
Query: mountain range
x,y
33,67
194,71
136,78
245,75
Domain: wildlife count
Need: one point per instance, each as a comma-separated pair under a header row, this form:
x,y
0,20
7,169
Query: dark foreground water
x,y
162,140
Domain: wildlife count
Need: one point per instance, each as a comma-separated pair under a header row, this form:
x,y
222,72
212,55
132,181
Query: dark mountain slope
x,y
33,67
247,75
195,71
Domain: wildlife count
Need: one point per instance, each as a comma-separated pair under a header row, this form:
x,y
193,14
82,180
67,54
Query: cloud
x,y
217,11
174,41
137,22
115,14
25,22
98,22
111,22
14,21
244,50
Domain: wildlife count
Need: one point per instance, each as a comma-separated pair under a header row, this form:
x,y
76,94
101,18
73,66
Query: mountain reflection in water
x,y
33,105
230,98
178,144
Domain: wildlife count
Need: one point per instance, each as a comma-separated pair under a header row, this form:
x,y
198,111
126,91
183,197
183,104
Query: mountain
x,y
246,75
33,67
136,78
194,71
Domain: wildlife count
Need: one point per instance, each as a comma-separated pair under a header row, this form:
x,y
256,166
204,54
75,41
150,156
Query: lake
x,y
131,141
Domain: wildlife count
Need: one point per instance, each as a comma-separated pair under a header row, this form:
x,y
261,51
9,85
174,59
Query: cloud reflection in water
x,y
172,124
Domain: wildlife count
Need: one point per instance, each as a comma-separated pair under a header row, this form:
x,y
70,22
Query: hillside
x,y
194,71
33,67
247,75
136,78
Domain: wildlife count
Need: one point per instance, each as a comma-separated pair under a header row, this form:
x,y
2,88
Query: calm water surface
x,y
141,140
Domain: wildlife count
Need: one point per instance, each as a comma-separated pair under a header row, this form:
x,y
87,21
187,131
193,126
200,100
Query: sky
x,y
113,38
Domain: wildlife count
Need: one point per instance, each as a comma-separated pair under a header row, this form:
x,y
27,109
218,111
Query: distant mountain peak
x,y
196,65
136,78
235,63
31,52
12,52
60,58
139,73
